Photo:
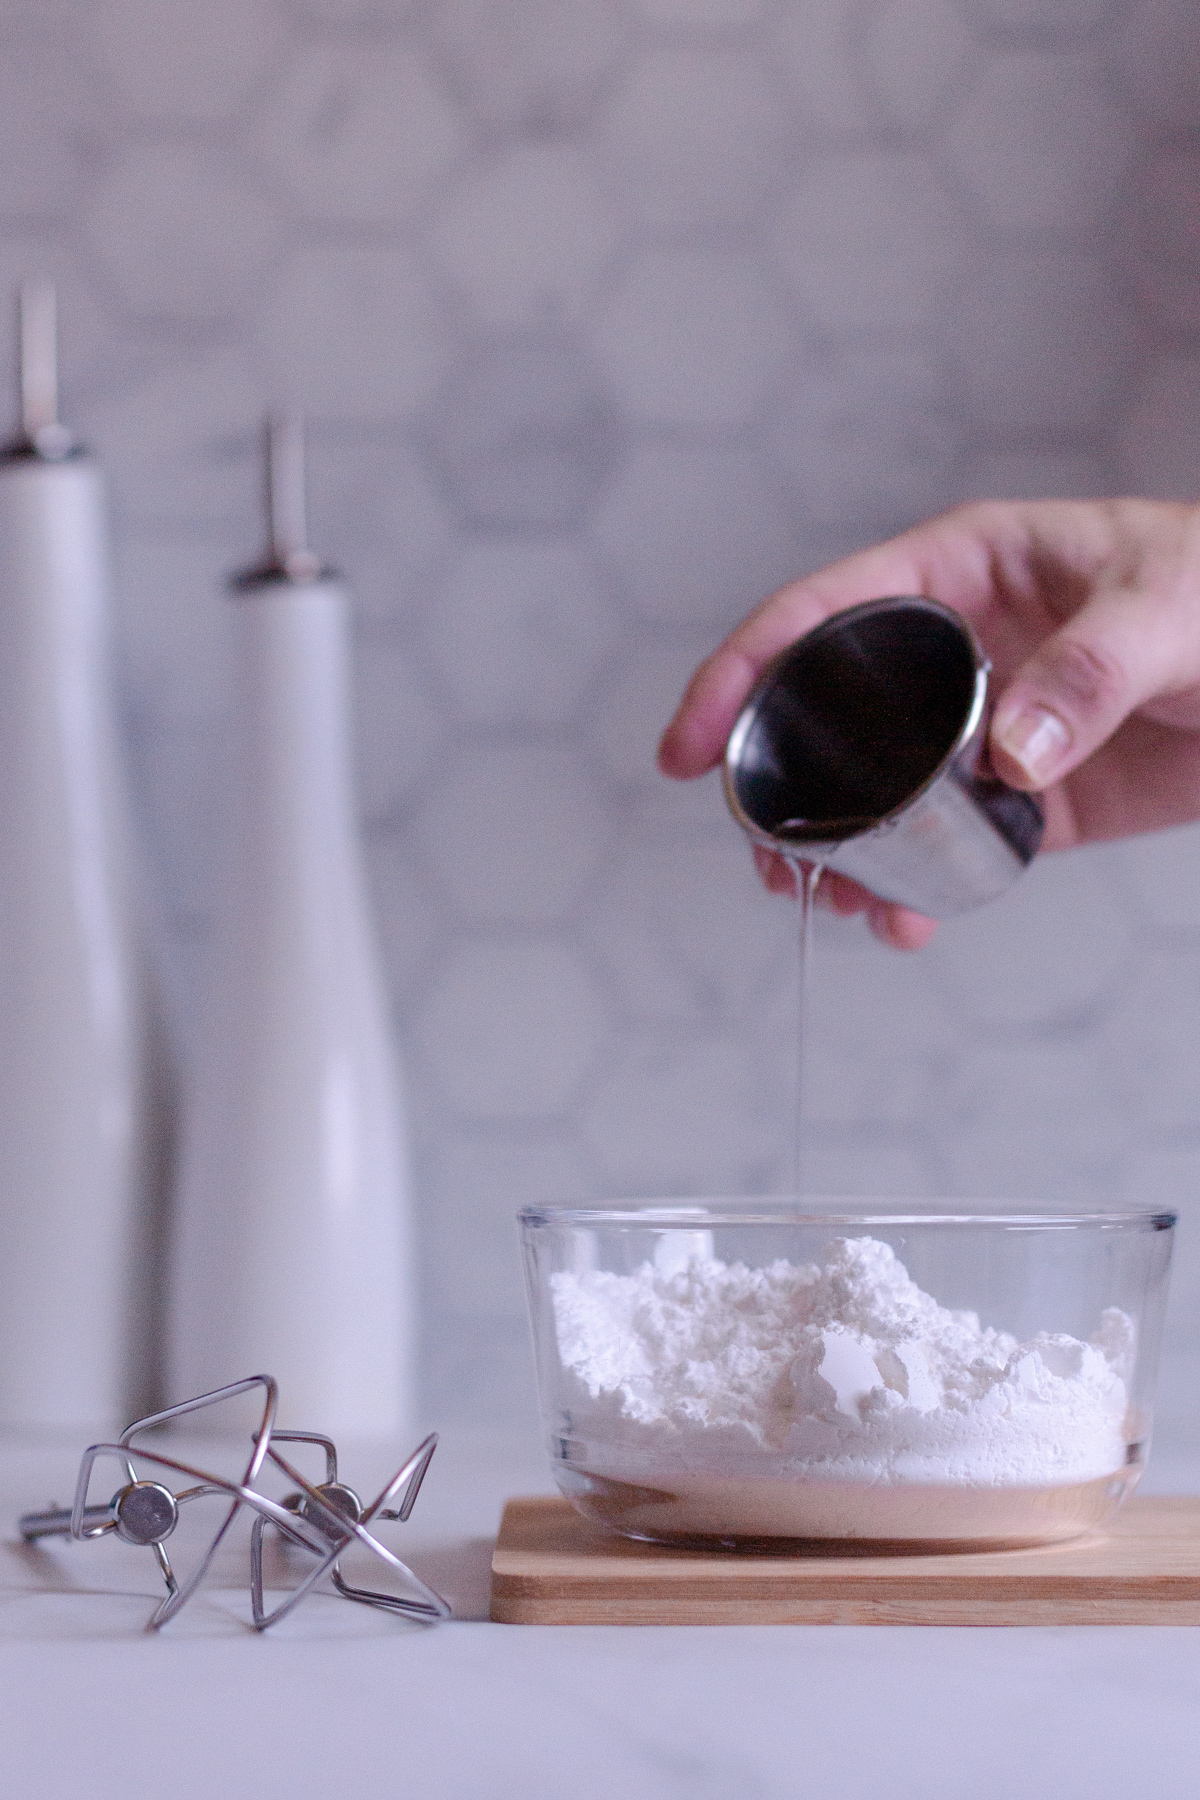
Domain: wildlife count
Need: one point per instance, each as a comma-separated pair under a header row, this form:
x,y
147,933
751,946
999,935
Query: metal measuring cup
x,y
863,748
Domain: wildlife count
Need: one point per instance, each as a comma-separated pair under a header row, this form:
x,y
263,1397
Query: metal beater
x,y
323,1520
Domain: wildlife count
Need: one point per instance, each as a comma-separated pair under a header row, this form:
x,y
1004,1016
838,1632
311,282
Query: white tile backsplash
x,y
871,240
194,64
1046,343
527,234
182,233
513,1027
867,435
514,833
916,54
1041,145
693,137
538,66
1158,448
355,332
696,533
182,444
694,337
520,630
359,132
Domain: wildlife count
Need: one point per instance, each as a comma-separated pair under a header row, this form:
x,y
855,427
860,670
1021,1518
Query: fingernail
x,y
1037,739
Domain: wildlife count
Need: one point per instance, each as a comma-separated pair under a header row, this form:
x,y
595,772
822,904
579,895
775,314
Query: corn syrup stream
x,y
807,876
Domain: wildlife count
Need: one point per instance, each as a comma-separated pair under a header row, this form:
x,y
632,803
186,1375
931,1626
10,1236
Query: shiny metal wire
x,y
338,1514
83,1521
323,1520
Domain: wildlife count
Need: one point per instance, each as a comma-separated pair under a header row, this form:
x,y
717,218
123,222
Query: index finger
x,y
695,739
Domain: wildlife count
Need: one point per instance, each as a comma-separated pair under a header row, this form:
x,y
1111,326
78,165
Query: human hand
x,y
1090,614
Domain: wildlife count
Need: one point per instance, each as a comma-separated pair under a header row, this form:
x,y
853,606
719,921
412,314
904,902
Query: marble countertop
x,y
341,1700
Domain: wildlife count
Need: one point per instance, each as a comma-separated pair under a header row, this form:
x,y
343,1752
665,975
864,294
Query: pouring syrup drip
x,y
807,877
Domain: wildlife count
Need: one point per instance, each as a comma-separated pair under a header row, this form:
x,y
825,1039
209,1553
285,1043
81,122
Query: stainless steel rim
x,y
836,831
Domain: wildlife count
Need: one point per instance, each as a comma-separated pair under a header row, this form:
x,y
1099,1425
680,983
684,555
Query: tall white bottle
x,y
291,1249
76,1233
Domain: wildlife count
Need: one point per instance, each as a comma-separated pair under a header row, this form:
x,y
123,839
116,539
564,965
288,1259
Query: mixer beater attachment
x,y
324,1520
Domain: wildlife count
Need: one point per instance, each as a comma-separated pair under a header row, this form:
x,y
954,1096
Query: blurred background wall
x,y
608,315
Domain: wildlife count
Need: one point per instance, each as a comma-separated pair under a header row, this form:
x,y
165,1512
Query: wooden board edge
x,y
553,1610
580,1585
567,1594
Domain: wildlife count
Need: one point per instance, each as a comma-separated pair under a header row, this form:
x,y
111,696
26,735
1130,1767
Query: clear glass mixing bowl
x,y
743,1373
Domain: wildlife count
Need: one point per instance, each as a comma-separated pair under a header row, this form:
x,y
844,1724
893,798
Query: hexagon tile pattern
x,y
608,316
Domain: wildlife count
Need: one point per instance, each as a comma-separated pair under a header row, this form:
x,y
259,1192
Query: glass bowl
x,y
746,1374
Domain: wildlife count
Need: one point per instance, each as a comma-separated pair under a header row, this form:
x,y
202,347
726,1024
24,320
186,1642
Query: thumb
x,y
1082,683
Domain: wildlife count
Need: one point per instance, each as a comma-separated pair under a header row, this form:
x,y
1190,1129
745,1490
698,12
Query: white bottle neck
x,y
293,758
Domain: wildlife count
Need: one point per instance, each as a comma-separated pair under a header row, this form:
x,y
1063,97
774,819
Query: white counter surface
x,y
341,1701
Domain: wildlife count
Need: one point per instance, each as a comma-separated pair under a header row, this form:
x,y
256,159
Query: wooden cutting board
x,y
551,1567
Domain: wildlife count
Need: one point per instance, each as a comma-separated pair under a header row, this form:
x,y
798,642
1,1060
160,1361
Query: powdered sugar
x,y
844,1373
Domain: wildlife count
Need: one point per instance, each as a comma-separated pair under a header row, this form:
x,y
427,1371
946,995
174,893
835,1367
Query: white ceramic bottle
x,y
76,1232
291,1240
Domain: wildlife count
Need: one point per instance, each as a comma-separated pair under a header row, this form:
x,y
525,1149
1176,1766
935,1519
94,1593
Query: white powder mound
x,y
843,1373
